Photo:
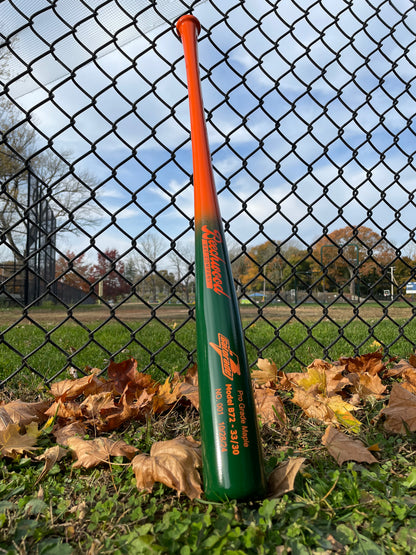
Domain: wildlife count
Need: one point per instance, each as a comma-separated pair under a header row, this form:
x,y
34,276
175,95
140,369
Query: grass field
x,y
353,510
159,348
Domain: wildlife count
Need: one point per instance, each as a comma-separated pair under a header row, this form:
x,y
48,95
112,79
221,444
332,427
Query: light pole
x,y
264,282
392,280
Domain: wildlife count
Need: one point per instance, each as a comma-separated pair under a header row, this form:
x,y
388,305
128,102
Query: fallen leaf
x,y
409,386
12,443
173,463
282,478
51,456
94,404
126,378
189,387
191,393
315,377
23,413
67,410
191,375
90,453
371,363
267,372
66,390
287,381
269,406
167,395
121,412
342,410
312,406
344,448
366,385
330,410
63,433
399,368
322,376
400,412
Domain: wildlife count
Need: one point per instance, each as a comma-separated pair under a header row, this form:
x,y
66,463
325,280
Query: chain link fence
x,y
310,113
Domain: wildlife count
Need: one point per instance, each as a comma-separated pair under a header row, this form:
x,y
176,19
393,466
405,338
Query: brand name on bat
x,y
212,260
230,363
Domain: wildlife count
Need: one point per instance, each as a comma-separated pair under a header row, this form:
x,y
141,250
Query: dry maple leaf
x,y
344,448
191,393
12,443
167,395
312,406
174,463
50,456
123,411
66,390
66,410
330,410
191,375
63,433
315,377
23,413
409,386
90,453
269,406
189,387
342,411
267,372
371,363
323,377
400,413
126,379
282,478
94,405
398,369
366,385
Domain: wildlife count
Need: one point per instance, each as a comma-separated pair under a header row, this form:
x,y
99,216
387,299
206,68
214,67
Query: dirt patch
x,y
369,312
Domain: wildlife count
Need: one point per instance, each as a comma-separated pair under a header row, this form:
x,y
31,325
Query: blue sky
x,y
367,90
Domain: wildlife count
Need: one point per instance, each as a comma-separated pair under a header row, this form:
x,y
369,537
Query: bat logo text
x,y
230,363
212,260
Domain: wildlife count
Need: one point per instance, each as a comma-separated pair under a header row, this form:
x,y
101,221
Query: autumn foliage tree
x,y
77,272
110,270
348,251
73,270
272,266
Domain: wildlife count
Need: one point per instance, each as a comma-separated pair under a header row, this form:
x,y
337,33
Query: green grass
x,y
165,347
354,509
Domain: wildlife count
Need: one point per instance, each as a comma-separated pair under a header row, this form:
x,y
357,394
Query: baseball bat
x,y
232,458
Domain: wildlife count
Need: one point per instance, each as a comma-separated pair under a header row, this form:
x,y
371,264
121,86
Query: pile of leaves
x,y
331,393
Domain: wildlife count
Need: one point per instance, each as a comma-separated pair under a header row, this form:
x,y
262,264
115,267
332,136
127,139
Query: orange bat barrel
x,y
231,446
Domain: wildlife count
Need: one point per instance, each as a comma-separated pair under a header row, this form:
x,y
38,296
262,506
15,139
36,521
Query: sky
x,y
310,113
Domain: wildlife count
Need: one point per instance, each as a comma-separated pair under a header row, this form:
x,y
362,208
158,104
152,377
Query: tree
x,y
347,251
298,271
265,266
74,270
23,151
109,270
181,261
149,252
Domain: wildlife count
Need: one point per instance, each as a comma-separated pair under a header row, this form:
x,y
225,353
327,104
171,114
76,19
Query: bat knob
x,y
188,19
